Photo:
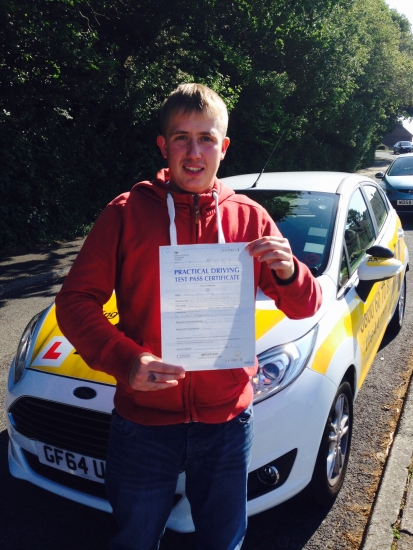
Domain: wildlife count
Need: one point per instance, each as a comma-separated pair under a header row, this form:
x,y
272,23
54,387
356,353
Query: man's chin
x,y
192,186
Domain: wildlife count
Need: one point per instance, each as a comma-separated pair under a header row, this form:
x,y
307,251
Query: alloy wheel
x,y
338,440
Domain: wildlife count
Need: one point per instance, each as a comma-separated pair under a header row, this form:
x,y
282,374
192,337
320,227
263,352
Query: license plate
x,y
72,463
404,201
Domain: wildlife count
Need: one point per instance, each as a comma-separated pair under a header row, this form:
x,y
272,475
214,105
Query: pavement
x,y
393,506
46,264
392,512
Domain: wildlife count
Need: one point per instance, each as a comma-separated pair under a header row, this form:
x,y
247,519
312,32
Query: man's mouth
x,y
193,169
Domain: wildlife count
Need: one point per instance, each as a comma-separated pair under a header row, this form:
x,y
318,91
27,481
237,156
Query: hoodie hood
x,y
160,190
160,187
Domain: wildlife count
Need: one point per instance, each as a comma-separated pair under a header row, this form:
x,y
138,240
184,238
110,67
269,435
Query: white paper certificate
x,y
207,306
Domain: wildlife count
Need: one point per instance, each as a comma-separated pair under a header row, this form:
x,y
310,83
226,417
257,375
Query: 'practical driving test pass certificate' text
x,y
207,306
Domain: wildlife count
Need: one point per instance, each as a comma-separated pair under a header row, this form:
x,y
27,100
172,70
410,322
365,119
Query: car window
x,y
343,269
305,219
403,166
359,233
377,204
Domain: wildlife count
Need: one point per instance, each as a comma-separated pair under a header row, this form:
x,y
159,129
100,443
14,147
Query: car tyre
x,y
396,322
332,459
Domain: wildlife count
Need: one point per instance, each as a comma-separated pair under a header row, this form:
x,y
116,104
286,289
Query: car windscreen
x,y
306,219
408,143
401,167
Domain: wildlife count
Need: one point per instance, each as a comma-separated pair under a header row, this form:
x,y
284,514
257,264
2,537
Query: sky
x,y
402,6
406,8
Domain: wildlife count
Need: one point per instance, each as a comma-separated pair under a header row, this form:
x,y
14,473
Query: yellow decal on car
x,y
344,328
265,320
54,353
374,262
366,323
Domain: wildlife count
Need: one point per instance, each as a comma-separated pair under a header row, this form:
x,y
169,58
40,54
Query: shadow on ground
x,y
41,288
41,261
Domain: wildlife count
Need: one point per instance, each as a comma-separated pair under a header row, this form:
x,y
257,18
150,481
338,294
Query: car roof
x,y
328,182
404,156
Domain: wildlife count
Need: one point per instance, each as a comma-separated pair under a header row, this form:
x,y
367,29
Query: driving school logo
x,y
53,353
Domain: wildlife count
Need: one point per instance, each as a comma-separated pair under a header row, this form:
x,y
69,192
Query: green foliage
x,y
82,82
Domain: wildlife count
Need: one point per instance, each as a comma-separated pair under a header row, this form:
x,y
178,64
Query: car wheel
x,y
331,464
396,322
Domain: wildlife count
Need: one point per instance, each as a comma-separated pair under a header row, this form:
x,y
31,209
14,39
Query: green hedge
x,y
82,82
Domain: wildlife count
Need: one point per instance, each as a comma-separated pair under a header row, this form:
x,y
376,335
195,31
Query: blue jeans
x,y
142,470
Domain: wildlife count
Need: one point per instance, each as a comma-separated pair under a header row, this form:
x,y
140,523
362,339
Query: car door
x,y
369,317
391,235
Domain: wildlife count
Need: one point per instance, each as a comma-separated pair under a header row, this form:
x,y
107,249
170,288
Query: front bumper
x,y
288,430
394,195
403,197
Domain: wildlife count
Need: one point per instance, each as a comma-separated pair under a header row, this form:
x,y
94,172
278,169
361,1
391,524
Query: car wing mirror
x,y
378,265
379,175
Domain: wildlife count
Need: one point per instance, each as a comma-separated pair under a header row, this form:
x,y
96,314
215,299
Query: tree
x,y
82,82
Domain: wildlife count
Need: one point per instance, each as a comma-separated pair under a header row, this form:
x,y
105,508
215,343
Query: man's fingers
x,y
150,362
160,367
149,373
275,252
265,245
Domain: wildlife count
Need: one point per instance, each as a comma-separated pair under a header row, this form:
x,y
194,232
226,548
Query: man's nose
x,y
193,148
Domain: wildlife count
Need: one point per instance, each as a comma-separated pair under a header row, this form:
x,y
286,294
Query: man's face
x,y
194,146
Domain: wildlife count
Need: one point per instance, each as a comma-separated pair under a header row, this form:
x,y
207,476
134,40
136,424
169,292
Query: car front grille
x,y
70,428
63,478
86,432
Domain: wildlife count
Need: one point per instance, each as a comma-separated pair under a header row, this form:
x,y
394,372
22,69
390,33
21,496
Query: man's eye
x,y
206,138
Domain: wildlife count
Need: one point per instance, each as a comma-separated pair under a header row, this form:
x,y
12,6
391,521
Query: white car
x,y
344,228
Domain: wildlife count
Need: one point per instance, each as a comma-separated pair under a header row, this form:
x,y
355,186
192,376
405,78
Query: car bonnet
x,y
400,182
53,353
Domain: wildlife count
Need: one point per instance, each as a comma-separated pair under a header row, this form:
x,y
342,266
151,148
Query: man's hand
x,y
149,373
276,252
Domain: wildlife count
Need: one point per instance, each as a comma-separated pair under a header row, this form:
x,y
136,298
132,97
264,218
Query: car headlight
x,y
388,188
24,346
279,366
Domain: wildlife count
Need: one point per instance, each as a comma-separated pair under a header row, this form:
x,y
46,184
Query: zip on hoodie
x,y
189,374
197,216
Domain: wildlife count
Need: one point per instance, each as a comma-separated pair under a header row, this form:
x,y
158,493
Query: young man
x,y
165,420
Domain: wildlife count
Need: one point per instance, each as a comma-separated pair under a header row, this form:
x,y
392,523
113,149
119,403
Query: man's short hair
x,y
194,98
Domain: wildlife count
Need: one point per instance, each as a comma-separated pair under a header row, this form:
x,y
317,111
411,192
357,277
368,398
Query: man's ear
x,y
161,143
225,145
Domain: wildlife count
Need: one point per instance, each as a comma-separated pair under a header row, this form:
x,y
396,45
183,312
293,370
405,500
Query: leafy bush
x,y
83,80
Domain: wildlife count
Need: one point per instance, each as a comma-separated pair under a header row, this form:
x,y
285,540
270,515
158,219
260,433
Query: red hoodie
x,y
122,252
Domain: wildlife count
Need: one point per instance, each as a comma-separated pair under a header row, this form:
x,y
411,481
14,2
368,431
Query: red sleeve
x,y
79,304
299,298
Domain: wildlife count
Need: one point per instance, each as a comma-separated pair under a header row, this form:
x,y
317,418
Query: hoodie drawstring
x,y
221,238
172,226
171,212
